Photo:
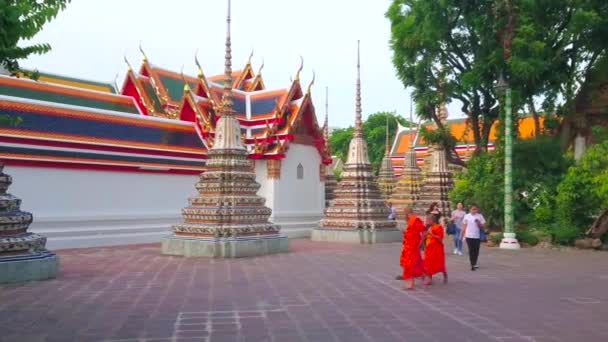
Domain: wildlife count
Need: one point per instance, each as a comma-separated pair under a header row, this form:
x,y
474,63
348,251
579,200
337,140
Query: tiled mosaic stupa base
x,y
23,256
226,219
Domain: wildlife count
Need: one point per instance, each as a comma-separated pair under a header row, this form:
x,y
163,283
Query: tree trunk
x,y
599,227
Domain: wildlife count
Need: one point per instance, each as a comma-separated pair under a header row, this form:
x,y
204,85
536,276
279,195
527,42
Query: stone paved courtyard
x,y
318,292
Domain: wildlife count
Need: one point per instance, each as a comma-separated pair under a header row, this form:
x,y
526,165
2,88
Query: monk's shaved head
x,y
408,210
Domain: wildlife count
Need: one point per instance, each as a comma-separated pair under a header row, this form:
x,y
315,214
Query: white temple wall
x,y
84,208
299,203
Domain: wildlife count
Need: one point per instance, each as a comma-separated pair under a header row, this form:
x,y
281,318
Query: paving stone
x,y
319,291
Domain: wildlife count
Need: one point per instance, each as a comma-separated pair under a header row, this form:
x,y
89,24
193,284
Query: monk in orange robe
x,y
434,255
411,260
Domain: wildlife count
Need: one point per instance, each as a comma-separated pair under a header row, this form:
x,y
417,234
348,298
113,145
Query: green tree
x,y
374,132
456,50
22,20
448,50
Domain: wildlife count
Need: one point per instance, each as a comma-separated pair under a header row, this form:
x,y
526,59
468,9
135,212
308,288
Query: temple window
x,y
300,171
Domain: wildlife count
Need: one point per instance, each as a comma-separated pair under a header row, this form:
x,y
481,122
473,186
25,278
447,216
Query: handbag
x,y
451,229
482,235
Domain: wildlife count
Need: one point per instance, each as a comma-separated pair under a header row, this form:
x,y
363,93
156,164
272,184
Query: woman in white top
x,y
457,217
472,223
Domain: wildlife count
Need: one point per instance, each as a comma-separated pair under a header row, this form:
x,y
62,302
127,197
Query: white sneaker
x,y
459,253
455,251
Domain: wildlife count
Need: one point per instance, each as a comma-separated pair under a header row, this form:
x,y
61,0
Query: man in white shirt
x,y
472,224
393,214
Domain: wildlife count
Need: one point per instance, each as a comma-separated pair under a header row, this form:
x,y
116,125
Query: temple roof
x,y
269,118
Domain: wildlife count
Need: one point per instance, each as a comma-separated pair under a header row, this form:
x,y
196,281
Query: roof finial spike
x,y
300,68
226,102
261,67
186,85
129,68
250,57
199,70
142,52
358,124
118,90
326,124
311,82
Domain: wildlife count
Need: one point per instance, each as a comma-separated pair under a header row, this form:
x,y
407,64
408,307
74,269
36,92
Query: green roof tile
x,y
43,95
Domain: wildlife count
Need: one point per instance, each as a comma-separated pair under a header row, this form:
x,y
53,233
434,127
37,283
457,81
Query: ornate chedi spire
x,y
330,179
438,180
23,256
227,218
408,186
358,214
386,176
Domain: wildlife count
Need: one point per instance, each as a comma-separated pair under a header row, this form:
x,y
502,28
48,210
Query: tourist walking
x,y
411,260
472,224
393,213
434,255
457,217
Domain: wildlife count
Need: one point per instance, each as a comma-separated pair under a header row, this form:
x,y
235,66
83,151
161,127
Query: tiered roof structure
x,y
227,218
358,214
23,256
386,175
269,119
330,179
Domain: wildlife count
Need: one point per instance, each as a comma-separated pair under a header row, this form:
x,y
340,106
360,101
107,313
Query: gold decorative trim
x,y
273,168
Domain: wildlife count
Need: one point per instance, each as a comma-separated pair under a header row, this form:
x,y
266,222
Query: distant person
x,y
434,255
411,260
393,214
472,224
431,213
457,217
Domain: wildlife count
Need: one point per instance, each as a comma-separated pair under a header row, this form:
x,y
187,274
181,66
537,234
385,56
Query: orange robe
x,y
434,254
411,260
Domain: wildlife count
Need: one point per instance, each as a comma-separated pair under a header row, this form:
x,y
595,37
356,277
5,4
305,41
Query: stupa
x,y
330,179
386,175
438,180
358,214
227,218
408,186
437,183
23,256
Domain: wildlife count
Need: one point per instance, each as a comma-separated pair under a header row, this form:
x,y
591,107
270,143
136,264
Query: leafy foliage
x,y
538,167
455,50
374,132
22,20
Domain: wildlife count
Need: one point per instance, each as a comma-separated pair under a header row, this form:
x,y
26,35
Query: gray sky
x,y
90,38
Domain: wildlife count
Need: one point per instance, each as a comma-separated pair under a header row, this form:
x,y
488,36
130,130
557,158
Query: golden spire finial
x,y
326,123
199,70
358,124
186,85
411,119
311,82
250,57
300,68
226,102
142,52
129,68
261,67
